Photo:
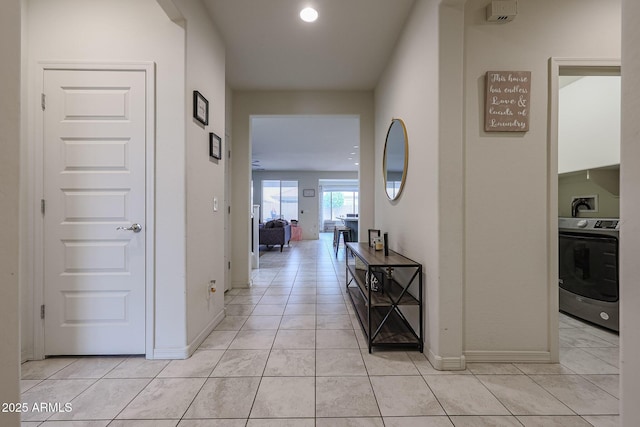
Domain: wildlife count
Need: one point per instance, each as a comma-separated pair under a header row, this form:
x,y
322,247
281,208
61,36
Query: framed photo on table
x,y
372,235
200,108
215,146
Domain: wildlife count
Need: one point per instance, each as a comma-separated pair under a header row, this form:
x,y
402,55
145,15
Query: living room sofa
x,y
276,232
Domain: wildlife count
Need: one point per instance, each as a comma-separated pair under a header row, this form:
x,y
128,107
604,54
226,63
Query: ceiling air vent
x,y
502,10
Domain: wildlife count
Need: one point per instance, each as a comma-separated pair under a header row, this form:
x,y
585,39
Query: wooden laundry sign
x,y
507,101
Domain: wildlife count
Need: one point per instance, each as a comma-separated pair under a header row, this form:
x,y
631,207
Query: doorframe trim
x,y
37,174
552,184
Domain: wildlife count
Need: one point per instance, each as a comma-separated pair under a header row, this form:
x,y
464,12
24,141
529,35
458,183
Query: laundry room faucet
x,y
575,205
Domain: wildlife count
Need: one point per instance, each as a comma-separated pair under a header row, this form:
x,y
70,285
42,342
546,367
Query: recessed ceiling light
x,y
357,164
355,146
350,158
308,14
353,154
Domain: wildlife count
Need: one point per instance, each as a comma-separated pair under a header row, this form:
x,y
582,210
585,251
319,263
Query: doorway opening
x,y
340,205
294,157
584,163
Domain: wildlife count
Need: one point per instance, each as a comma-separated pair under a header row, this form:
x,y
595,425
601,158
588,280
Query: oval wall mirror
x,y
396,159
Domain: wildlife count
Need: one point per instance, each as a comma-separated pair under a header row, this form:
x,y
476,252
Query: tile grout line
x,y
299,273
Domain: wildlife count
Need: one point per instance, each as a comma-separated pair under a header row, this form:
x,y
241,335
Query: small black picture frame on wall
x,y
200,108
215,146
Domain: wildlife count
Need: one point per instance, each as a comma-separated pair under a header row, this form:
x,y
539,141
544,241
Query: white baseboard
x,y
205,332
171,353
186,352
446,363
240,285
26,356
508,356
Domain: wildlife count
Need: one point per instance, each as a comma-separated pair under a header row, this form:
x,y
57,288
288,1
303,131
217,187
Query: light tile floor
x,y
290,353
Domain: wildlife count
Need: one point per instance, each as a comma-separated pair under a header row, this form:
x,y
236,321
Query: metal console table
x,y
378,286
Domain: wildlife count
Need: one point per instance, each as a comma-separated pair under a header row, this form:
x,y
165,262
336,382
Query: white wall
x,y
121,30
248,103
422,85
26,226
205,72
408,90
507,290
589,123
451,183
482,205
630,214
310,220
10,25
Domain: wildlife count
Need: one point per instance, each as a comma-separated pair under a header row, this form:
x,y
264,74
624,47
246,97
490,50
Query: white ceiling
x,y
268,47
310,143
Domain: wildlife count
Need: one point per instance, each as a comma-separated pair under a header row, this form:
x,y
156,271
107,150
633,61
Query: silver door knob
x,y
136,228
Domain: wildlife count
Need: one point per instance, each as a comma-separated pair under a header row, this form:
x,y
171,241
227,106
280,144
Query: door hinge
x,y
229,153
229,265
42,206
229,209
43,101
42,311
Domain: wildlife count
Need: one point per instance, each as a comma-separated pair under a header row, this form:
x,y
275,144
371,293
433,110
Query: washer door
x,y
589,265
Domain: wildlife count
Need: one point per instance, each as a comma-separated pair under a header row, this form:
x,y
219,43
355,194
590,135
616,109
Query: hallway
x,y
290,349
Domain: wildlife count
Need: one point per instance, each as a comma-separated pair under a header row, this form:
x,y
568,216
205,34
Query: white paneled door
x,y
94,219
